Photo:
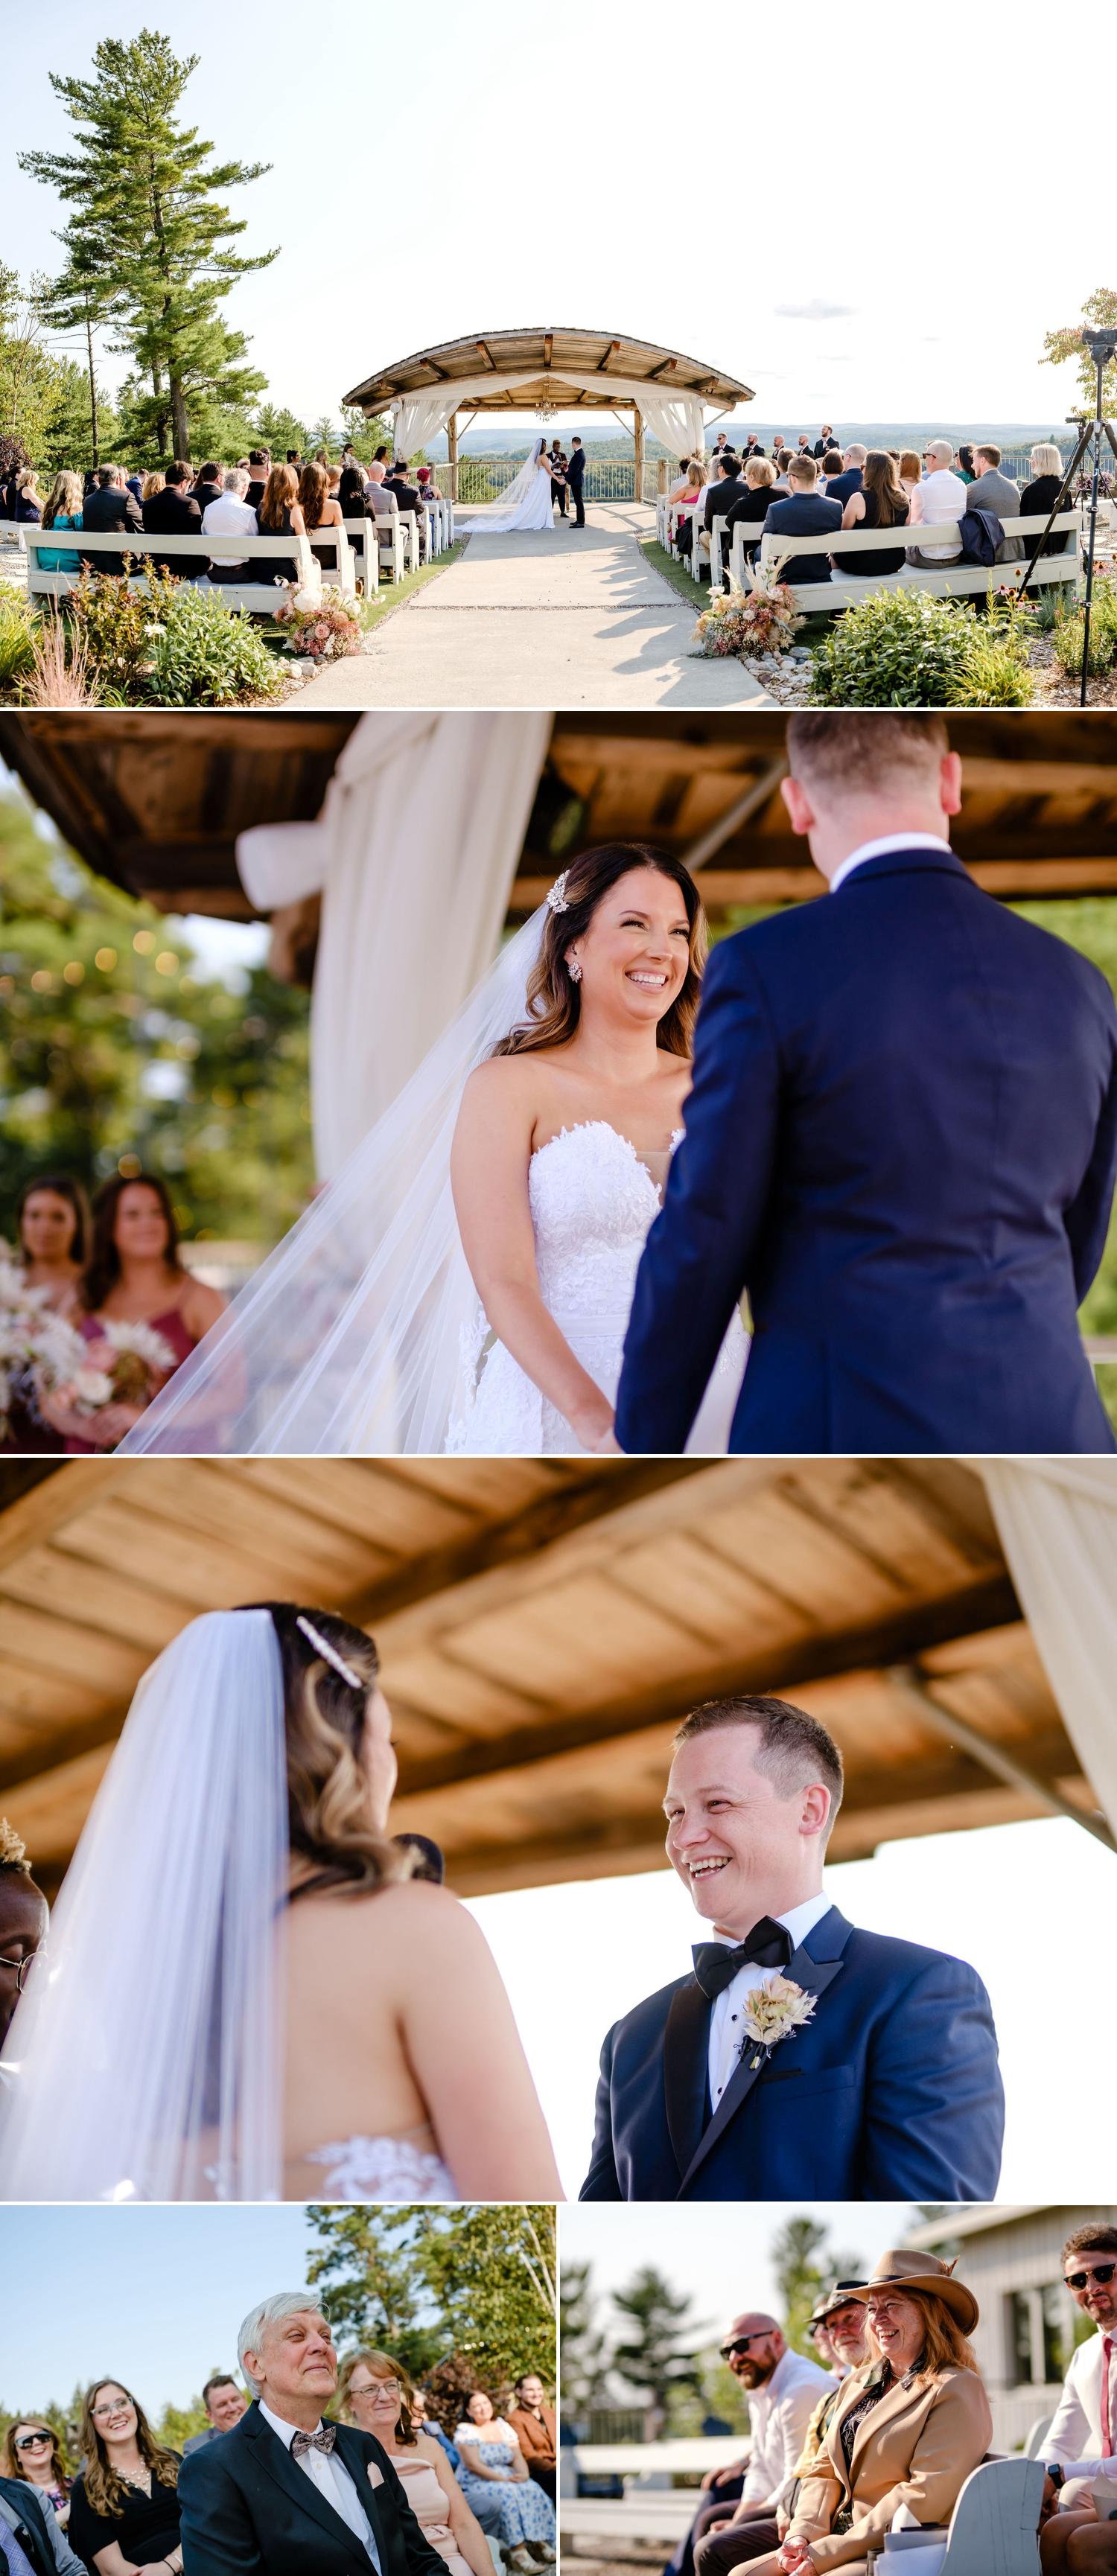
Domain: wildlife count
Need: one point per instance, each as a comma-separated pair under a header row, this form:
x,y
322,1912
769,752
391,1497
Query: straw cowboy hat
x,y
903,2270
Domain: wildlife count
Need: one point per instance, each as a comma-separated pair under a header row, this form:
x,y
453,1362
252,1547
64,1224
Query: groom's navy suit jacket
x,y
891,2092
248,2509
902,1140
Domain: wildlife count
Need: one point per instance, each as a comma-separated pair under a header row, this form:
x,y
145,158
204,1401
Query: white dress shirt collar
x,y
327,2471
880,849
798,1920
724,2045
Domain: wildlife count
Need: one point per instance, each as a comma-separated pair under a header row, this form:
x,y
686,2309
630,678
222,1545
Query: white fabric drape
x,y
414,854
1057,1520
419,417
678,418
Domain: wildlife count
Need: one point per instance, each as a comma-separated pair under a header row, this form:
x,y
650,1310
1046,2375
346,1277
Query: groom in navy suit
x,y
888,2088
901,1140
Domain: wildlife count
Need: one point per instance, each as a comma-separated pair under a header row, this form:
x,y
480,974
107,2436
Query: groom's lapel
x,y
685,2079
814,1974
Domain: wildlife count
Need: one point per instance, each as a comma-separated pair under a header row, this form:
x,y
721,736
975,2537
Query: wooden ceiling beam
x,y
603,362
982,1605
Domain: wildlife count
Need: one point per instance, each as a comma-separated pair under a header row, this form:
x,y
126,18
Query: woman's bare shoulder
x,y
505,1085
413,1920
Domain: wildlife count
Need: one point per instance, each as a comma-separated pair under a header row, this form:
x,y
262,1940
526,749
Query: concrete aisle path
x,y
574,619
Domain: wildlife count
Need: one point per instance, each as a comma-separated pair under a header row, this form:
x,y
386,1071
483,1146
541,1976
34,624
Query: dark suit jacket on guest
x,y
840,486
103,510
26,2514
175,512
902,1141
248,2509
891,2092
803,514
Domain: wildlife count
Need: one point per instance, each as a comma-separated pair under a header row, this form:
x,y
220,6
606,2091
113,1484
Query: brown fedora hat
x,y
902,2269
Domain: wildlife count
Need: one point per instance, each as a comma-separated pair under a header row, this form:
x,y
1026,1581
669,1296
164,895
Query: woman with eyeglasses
x,y
377,2396
494,2465
24,1915
124,2510
32,2452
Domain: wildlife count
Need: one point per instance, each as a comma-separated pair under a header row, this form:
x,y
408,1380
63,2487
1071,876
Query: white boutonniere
x,y
773,2009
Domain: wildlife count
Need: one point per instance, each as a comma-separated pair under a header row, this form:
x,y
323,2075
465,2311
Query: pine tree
x,y
661,2355
149,232
372,2283
585,2361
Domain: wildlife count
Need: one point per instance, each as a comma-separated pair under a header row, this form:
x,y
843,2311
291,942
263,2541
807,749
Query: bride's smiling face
x,y
635,954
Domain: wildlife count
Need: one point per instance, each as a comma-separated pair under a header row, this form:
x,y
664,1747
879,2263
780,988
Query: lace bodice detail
x,y
592,1199
382,2169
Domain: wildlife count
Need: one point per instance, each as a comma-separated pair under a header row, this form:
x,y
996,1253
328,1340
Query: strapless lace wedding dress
x,y
593,1199
382,2169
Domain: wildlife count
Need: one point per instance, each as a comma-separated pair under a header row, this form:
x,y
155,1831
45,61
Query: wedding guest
x,y
933,2425
690,498
676,489
108,507
839,486
1083,2432
29,500
208,485
378,492
280,515
62,510
24,1916
752,505
491,2457
52,1238
134,483
881,502
837,2330
319,511
804,514
225,2402
135,1275
533,2423
992,490
783,2388
1038,497
29,2524
727,488
831,465
381,456
965,465
407,498
293,457
149,486
940,496
1082,2541
230,515
354,499
173,510
32,2451
375,2393
259,468
124,2510
910,471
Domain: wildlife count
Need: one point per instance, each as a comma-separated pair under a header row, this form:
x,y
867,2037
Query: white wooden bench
x,y
260,596
994,2528
946,579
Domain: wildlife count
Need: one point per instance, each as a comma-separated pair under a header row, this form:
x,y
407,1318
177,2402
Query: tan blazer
x,y
916,2448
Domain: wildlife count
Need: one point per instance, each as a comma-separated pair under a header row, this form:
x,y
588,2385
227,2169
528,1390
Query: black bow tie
x,y
769,1945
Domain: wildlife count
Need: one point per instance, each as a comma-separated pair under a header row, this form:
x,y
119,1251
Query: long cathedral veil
x,y
350,1338
511,498
145,2060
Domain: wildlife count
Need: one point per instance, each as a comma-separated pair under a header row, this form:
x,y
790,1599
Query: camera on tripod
x,y
1101,343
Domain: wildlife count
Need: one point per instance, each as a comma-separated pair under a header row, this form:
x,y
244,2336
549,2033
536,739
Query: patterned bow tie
x,y
769,1945
322,2440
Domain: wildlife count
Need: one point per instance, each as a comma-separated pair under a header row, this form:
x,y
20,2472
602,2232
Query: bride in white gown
x,y
406,1314
528,502
249,1990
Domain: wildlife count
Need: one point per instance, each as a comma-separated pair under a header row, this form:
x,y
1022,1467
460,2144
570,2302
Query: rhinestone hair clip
x,y
556,899
330,1655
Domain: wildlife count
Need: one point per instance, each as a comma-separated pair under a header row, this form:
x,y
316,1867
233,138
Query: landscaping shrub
x,y
17,636
907,648
204,654
1068,634
117,628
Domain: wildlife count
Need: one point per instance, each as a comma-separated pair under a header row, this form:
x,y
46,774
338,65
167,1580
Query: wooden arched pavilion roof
x,y
154,801
538,357
543,1625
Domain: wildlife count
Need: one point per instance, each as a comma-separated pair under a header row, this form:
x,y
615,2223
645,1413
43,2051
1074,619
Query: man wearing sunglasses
x,y
1082,2441
783,2390
23,1923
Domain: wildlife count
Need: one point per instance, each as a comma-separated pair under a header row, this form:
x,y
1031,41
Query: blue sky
x,y
842,248
153,2295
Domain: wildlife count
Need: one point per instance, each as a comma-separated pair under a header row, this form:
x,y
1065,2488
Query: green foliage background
x,y
475,2282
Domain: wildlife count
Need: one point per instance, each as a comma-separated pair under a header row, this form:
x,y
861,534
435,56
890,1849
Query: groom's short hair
x,y
858,754
793,1748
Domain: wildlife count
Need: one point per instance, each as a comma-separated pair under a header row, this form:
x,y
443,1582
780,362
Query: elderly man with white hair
x,y
940,496
230,513
287,2493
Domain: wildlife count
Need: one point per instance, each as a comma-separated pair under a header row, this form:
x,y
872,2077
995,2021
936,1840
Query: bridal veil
x,y
352,1337
145,2058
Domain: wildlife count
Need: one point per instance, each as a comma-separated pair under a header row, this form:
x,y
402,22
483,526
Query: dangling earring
x,y
574,970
